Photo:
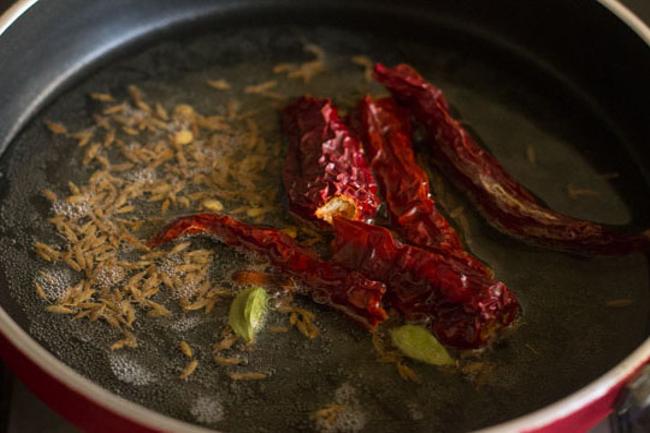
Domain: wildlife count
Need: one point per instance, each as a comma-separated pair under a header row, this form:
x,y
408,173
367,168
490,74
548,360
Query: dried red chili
x,y
325,172
464,308
356,295
386,131
504,202
251,277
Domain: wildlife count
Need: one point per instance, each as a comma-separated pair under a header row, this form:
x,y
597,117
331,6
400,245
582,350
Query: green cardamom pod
x,y
247,312
417,342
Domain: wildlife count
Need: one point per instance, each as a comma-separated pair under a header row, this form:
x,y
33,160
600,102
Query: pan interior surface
x,y
581,315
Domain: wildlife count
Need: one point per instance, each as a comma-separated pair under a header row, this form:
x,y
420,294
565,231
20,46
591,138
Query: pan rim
x,y
14,12
143,416
100,396
628,17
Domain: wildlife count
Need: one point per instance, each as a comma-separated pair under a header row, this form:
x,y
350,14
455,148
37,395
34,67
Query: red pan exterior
x,y
78,409
590,415
90,414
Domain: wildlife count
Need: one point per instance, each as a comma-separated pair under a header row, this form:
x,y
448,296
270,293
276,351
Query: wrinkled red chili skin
x,y
386,135
503,201
464,308
385,130
324,160
357,296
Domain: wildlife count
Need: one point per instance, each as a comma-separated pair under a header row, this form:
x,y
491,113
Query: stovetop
x,y
18,405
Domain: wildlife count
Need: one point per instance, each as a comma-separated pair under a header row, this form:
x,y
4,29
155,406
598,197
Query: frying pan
x,y
568,77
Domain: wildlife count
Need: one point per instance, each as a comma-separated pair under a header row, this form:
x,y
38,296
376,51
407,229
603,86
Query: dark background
x,y
18,406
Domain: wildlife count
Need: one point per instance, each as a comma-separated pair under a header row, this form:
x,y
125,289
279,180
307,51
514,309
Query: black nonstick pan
x,y
557,90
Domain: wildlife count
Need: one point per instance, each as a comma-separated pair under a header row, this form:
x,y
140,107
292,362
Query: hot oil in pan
x,y
581,315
